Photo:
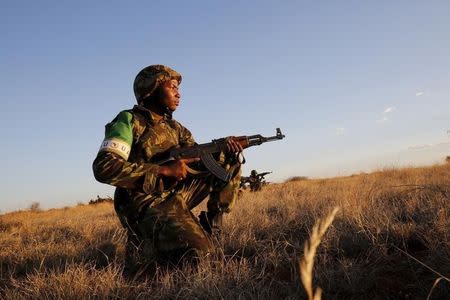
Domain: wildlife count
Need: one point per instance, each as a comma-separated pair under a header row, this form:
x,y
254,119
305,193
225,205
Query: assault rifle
x,y
261,175
205,152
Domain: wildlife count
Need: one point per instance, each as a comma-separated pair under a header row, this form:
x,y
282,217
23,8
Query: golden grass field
x,y
389,240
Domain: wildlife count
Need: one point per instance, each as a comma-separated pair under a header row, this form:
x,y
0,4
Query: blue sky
x,y
354,86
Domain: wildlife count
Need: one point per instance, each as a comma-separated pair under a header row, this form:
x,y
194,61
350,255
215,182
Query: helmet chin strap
x,y
168,112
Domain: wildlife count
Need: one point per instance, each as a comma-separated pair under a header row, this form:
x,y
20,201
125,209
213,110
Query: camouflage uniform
x,y
156,213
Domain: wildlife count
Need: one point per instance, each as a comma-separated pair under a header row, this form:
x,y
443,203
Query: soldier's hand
x,y
177,169
233,145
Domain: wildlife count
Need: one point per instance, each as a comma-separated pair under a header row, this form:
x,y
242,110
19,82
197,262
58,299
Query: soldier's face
x,y
170,95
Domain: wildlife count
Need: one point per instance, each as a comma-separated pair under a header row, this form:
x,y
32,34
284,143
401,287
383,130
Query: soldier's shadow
x,y
98,256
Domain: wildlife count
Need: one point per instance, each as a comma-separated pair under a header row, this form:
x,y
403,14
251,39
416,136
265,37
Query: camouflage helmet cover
x,y
149,78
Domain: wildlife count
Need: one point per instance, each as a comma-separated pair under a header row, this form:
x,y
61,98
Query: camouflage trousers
x,y
168,233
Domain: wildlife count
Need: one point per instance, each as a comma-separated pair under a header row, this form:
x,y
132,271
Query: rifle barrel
x,y
257,139
278,136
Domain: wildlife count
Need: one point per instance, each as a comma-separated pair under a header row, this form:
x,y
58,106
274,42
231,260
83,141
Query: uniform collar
x,y
148,114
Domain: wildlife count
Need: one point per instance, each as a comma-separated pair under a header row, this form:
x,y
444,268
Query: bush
x,y
35,206
296,178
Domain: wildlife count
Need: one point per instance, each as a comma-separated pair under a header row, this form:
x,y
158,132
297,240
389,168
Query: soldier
x,y
157,213
256,181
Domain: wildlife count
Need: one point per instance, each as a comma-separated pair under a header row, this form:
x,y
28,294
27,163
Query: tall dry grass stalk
x,y
307,262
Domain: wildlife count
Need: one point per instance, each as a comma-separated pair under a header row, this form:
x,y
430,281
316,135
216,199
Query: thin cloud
x,y
426,146
340,130
389,109
420,147
418,94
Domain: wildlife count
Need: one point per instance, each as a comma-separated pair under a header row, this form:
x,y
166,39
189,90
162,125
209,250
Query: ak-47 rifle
x,y
205,152
261,175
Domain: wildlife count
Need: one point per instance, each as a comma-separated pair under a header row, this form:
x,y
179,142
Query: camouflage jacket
x,y
124,158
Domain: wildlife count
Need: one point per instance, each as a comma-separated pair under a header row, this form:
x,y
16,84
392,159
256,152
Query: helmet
x,y
254,173
149,78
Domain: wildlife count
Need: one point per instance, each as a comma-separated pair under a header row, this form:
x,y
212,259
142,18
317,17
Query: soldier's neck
x,y
157,111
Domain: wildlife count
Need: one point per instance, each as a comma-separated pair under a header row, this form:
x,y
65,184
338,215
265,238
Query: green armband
x,y
119,135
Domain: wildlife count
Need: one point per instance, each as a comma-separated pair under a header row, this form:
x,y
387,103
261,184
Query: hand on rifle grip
x,y
177,169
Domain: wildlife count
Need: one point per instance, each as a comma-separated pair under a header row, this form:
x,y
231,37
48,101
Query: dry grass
x,y
76,253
